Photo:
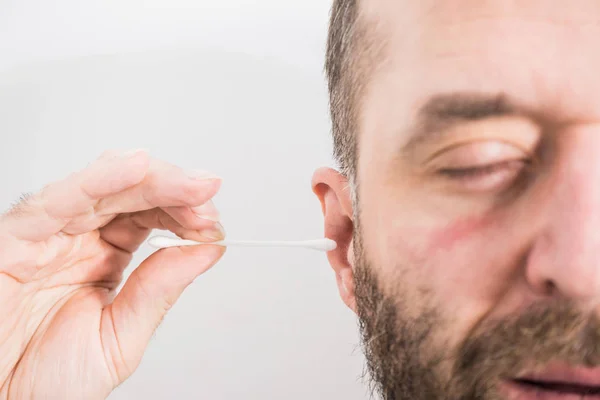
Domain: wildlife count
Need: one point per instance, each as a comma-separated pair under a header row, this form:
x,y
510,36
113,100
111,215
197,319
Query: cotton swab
x,y
164,242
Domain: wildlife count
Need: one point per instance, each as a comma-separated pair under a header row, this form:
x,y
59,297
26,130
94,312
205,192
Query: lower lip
x,y
517,391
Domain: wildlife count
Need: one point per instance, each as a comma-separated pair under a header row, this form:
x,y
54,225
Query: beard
x,y
408,360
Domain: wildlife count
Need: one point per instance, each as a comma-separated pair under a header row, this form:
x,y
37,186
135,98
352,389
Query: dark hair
x,y
341,69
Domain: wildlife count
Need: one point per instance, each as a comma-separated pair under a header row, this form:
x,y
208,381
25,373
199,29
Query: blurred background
x,y
232,86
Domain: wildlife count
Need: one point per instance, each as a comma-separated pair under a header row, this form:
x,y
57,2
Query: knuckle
x,y
193,196
150,191
152,293
85,222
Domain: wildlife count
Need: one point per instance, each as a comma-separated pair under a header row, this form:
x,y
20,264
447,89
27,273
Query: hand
x,y
64,332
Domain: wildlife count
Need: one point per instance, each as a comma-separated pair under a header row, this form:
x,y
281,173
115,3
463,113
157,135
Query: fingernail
x,y
207,211
201,175
132,153
216,233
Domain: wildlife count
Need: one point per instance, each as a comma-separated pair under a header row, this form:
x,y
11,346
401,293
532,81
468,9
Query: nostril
x,y
549,288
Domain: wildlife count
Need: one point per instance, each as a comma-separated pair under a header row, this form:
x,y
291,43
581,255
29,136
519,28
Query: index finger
x,y
42,215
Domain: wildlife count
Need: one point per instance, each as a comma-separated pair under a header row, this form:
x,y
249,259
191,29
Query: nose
x,y
564,260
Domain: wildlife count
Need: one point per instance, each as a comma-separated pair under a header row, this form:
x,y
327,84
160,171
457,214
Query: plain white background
x,y
232,86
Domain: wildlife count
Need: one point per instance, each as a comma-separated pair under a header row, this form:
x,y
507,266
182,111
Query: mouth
x,y
558,382
559,388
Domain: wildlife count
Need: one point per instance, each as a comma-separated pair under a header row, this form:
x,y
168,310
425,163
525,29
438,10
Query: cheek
x,y
471,258
448,248
462,229
466,265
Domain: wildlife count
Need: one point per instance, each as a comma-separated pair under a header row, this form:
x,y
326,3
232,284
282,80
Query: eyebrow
x,y
443,111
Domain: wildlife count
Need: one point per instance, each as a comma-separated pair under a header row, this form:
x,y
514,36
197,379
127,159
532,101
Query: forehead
x,y
544,54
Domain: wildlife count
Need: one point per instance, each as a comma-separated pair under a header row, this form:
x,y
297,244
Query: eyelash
x,y
482,171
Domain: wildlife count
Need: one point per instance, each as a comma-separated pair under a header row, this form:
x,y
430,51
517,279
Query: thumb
x,y
151,290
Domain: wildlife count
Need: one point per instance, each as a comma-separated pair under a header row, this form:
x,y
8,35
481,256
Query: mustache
x,y
543,333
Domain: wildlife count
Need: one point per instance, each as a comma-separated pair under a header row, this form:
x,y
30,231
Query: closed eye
x,y
485,177
479,171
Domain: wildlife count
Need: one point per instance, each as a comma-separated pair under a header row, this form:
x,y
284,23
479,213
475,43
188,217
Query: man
x,y
466,212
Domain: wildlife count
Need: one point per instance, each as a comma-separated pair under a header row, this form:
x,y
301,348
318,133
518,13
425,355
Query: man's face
x,y
477,244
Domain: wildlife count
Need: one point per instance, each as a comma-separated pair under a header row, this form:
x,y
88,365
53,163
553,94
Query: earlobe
x,y
333,191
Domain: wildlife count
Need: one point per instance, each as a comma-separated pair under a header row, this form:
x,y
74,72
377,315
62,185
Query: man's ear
x,y
333,190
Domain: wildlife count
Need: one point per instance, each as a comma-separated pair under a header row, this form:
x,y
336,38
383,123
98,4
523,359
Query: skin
x,y
524,226
63,252
482,247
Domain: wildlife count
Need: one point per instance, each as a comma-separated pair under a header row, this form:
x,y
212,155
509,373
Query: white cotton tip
x,y
164,242
330,245
322,244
